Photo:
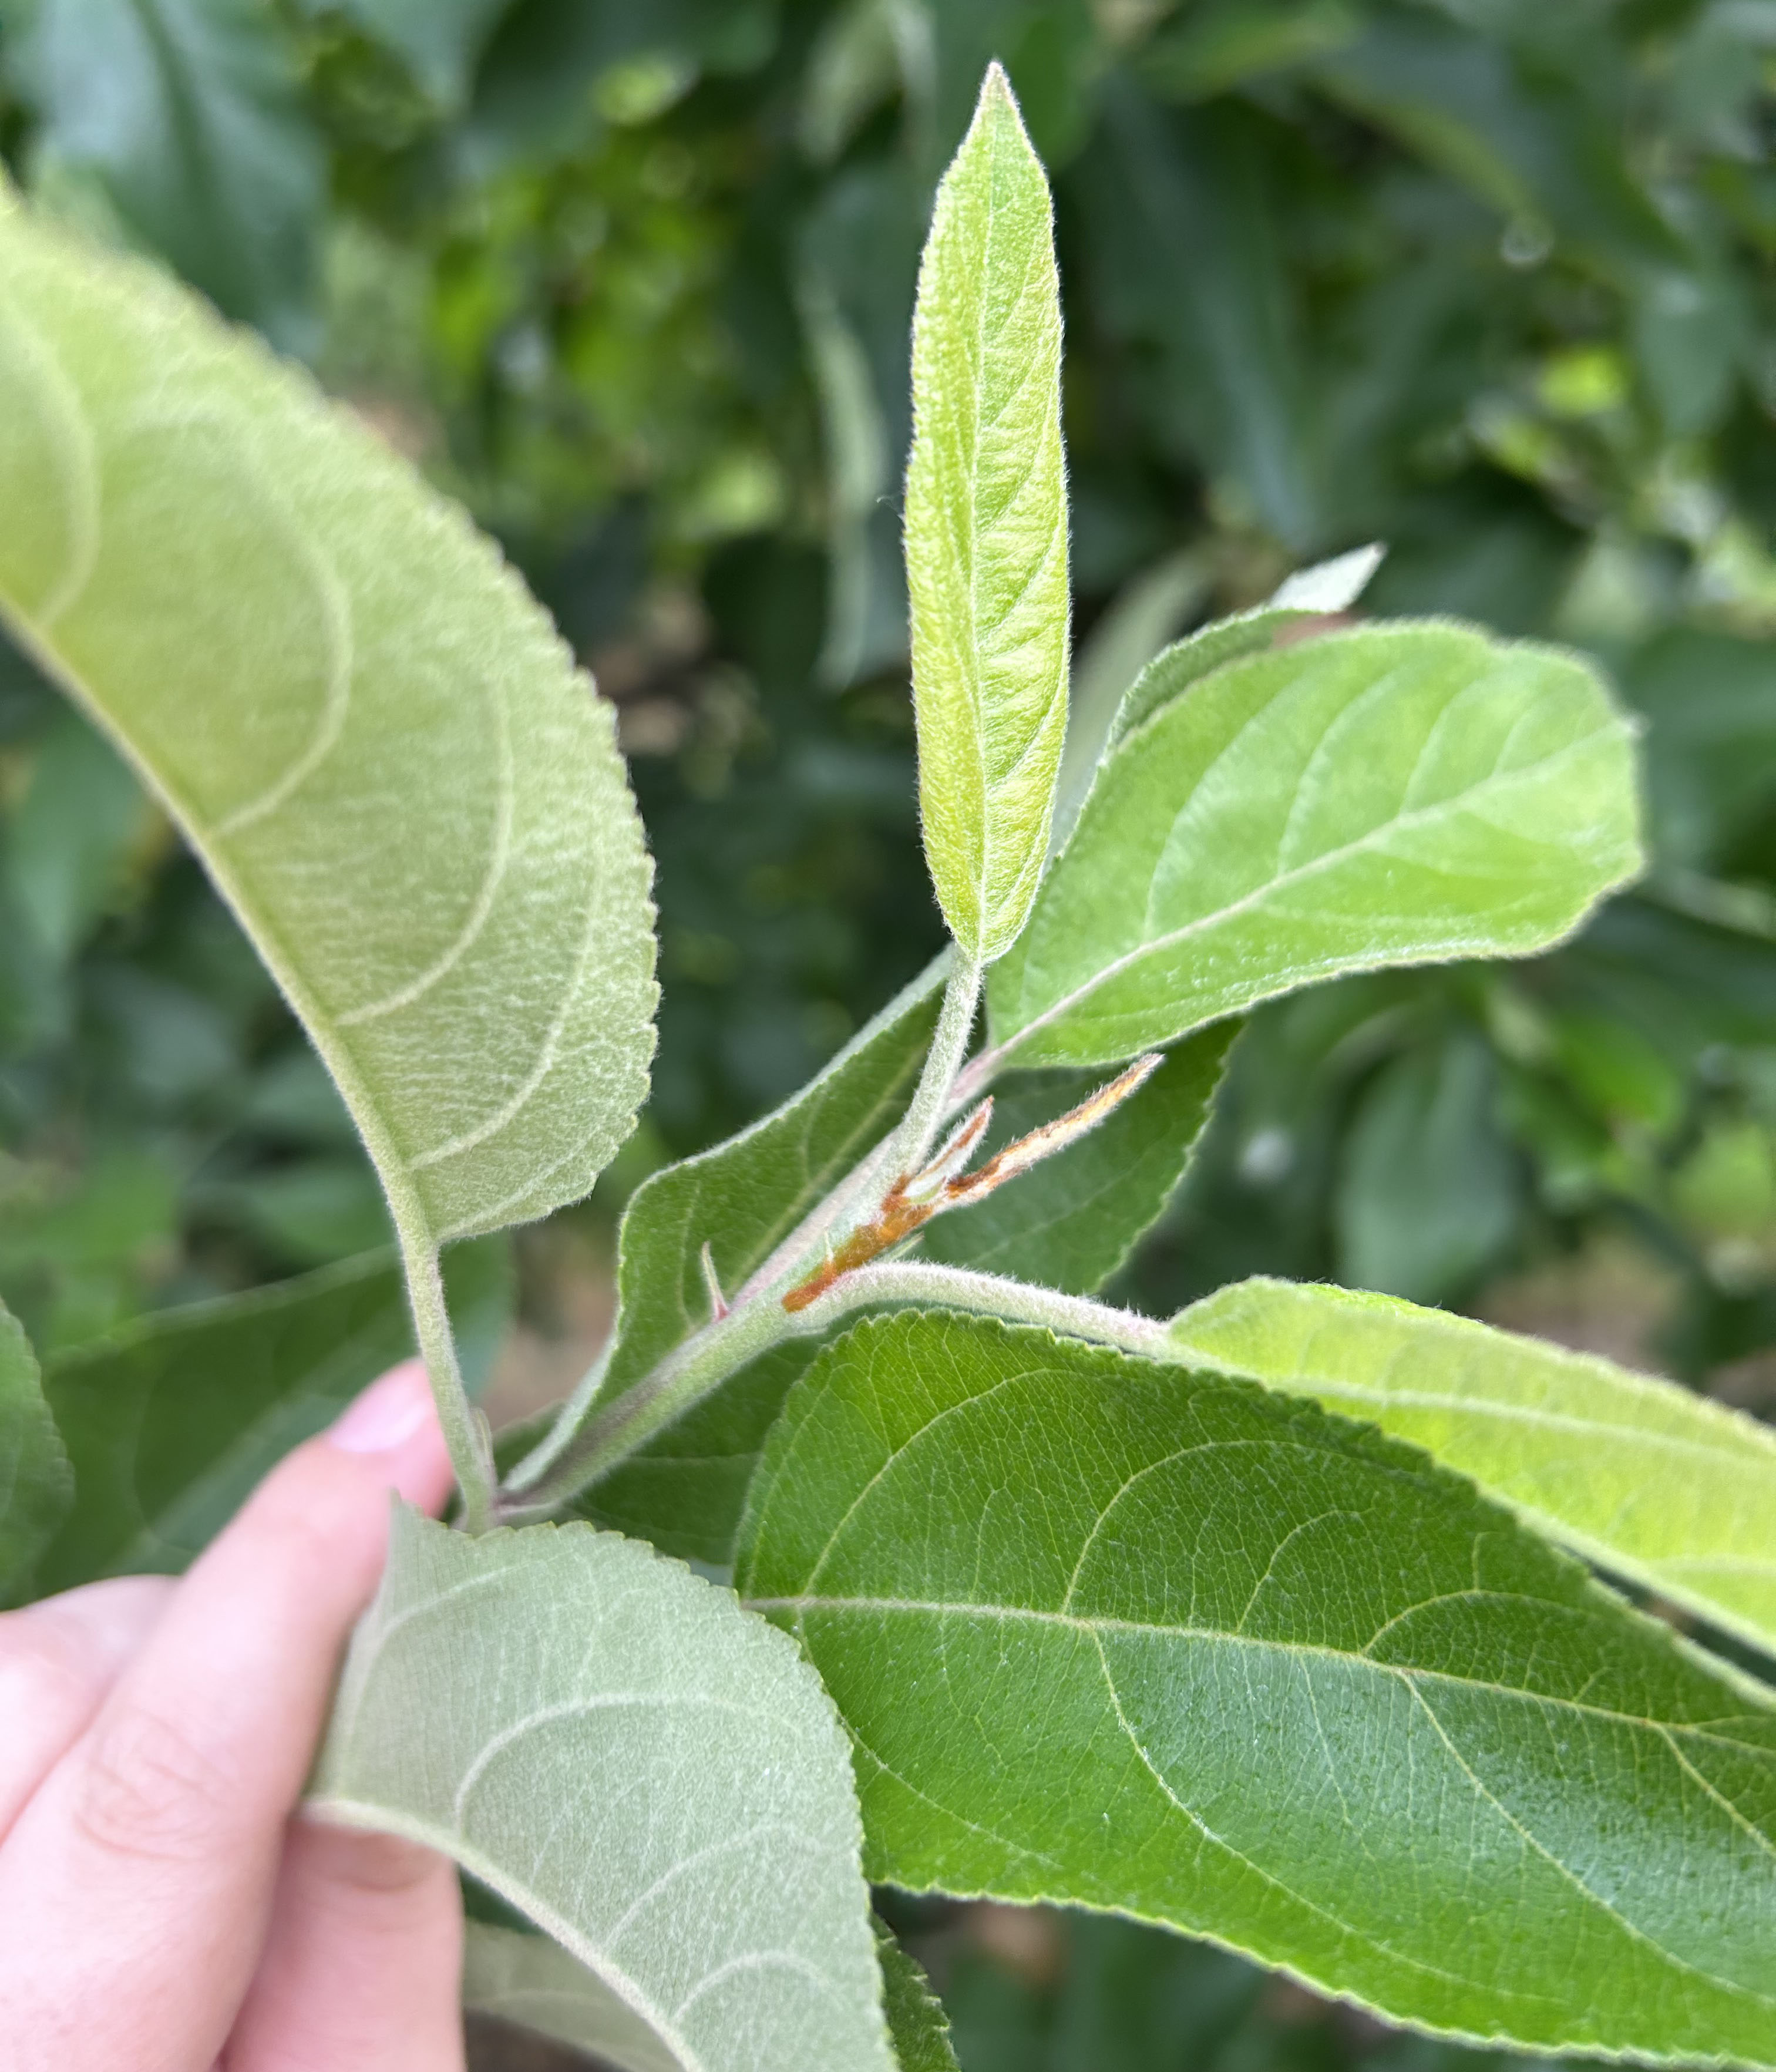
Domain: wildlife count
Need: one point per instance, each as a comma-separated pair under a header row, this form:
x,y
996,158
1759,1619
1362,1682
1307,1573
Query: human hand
x,y
161,1907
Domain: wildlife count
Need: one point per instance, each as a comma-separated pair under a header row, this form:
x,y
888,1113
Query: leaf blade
x,y
617,1724
171,1421
1663,1486
986,530
36,1482
1234,1664
485,995
1396,795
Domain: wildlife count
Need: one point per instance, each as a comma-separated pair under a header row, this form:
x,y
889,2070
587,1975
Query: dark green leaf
x,y
1428,1195
187,114
1070,1221
171,1422
746,1196
1118,1633
686,1489
915,2019
36,1485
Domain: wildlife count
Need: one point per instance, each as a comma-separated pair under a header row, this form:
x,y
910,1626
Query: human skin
x,y
164,1907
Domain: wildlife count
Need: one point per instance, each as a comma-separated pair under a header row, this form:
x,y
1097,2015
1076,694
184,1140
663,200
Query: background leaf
x,y
915,2018
986,530
183,118
1427,1114
1071,1221
483,995
36,1485
1484,800
655,1779
1652,1480
1239,1665
171,1421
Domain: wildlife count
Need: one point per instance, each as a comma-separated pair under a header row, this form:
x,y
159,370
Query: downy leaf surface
x,y
1124,1635
1643,1476
532,1981
1401,794
655,1779
36,1485
986,530
171,1421
362,724
1070,1221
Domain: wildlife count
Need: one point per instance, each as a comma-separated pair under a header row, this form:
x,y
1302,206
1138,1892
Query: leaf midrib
x,y
1354,1658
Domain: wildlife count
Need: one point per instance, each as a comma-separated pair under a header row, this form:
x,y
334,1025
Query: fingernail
x,y
388,1413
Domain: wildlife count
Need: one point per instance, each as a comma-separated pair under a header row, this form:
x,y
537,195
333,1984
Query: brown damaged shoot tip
x,y
939,1185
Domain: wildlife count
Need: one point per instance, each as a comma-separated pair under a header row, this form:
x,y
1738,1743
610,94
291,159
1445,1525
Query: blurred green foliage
x,y
1489,280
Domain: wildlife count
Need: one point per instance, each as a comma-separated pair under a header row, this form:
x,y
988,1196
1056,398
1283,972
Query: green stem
x,y
930,1102
465,1431
705,1360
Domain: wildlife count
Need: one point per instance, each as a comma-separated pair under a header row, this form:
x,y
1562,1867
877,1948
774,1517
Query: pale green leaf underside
x,y
532,1981
1398,795
365,727
170,1422
986,530
1657,1483
36,1485
655,1779
1195,1652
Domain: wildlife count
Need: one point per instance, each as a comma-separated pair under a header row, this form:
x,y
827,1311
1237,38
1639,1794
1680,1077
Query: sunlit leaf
x,y
1114,1633
1396,795
654,1777
374,739
986,530
1649,1479
915,2018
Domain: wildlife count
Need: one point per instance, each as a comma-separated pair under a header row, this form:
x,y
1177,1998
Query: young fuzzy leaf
x,y
371,736
1397,795
1070,1221
656,1779
1643,1476
986,530
170,1421
1116,1633
36,1485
